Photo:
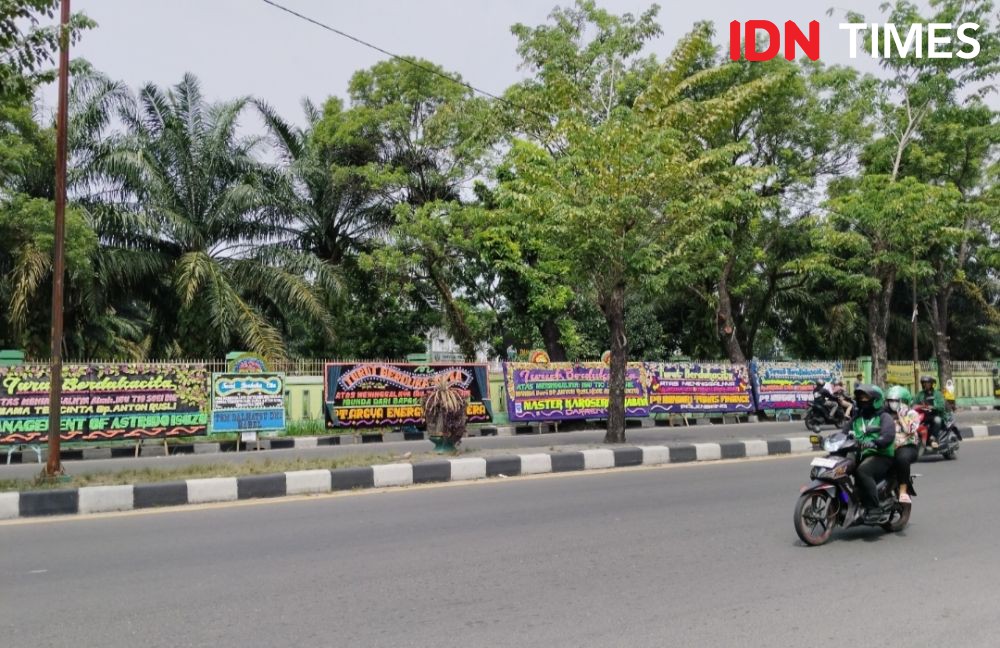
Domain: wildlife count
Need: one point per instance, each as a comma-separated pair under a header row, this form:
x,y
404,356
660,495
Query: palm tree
x,y
336,210
99,321
196,227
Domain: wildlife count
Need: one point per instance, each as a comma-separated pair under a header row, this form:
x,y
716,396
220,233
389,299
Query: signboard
x,y
245,363
248,402
697,387
789,385
898,373
105,401
565,391
372,394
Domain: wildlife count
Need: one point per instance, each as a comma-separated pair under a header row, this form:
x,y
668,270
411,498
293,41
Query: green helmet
x,y
900,393
896,395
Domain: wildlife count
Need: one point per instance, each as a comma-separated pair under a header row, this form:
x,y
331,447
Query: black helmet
x,y
927,379
820,383
872,393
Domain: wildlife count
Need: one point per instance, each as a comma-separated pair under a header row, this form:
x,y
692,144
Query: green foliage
x,y
27,232
27,47
198,226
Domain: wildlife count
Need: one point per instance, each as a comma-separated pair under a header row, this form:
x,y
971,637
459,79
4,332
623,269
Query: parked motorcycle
x,y
831,499
818,414
949,438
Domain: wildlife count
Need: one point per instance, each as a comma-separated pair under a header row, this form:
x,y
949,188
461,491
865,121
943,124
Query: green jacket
x,y
879,429
935,399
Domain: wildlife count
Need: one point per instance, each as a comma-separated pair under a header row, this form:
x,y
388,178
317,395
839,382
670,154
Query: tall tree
x,y
800,131
422,127
585,62
624,198
198,230
917,88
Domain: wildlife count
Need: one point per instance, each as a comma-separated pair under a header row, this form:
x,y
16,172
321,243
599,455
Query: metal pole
x,y
53,467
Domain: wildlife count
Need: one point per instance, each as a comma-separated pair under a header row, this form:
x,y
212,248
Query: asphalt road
x,y
568,440
688,555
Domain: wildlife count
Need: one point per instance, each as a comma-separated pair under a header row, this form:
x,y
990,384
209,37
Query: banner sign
x,y
245,363
693,387
565,391
898,373
248,402
372,394
105,401
790,385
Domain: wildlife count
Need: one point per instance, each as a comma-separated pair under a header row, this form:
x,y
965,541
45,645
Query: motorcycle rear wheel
x,y
900,518
815,517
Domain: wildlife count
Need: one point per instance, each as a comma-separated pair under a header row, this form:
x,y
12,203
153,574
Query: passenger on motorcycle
x,y
933,399
842,400
897,401
875,430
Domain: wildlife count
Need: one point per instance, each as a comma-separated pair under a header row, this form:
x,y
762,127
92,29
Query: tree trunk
x,y
942,343
456,320
614,313
878,327
553,340
726,323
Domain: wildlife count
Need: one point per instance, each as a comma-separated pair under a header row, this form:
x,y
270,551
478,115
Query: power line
x,y
408,61
469,86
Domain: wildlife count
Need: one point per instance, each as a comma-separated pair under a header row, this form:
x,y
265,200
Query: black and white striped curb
x,y
104,499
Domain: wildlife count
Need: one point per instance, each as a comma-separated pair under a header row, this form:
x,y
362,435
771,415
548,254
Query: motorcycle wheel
x,y
815,517
900,518
812,422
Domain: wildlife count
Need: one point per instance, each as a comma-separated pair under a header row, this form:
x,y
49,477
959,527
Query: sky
x,y
246,47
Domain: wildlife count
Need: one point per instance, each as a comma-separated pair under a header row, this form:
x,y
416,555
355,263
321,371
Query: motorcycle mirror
x,y
815,439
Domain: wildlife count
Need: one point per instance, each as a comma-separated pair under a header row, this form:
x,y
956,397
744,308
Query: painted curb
x,y
101,499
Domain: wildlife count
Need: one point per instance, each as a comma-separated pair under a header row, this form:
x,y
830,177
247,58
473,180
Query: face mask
x,y
895,405
866,407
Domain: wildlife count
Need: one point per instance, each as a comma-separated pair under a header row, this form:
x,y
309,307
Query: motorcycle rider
x,y
934,399
875,430
830,399
897,401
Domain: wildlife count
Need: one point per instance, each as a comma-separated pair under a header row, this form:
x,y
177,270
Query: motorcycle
x,y
831,499
818,414
949,438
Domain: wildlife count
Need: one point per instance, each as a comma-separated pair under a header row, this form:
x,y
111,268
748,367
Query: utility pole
x,y
913,326
53,466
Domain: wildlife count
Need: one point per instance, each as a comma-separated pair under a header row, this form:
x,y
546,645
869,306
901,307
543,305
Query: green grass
x,y
305,428
153,475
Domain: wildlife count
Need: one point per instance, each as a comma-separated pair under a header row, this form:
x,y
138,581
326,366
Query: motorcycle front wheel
x,y
815,517
813,422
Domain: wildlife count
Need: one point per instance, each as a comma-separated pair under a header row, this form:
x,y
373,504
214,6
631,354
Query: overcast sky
x,y
239,47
